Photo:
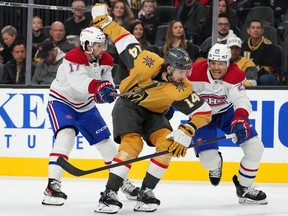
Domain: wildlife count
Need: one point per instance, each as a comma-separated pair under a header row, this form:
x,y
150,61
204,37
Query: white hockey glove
x,y
182,138
100,16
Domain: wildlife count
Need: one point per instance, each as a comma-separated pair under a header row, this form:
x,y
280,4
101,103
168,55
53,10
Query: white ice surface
x,y
22,196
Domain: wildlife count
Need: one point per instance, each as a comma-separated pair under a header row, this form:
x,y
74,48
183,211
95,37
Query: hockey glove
x,y
100,16
241,128
105,92
182,138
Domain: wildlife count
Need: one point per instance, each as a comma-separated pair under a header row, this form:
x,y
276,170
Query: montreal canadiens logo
x,y
215,100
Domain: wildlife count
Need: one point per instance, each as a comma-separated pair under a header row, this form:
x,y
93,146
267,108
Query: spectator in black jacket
x,y
76,23
58,33
9,35
15,70
38,36
266,55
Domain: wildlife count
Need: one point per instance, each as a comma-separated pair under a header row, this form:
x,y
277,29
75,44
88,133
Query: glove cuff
x,y
102,21
240,112
96,85
109,20
187,129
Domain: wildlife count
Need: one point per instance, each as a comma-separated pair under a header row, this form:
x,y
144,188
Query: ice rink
x,y
22,196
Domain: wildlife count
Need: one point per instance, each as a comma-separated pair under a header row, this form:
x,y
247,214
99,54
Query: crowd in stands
x,y
258,42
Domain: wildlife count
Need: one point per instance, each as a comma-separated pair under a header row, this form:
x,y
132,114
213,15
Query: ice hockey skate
x,y
249,195
108,202
130,190
215,175
53,194
146,201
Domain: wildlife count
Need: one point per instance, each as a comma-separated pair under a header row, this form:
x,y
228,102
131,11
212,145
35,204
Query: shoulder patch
x,y
106,59
148,61
77,56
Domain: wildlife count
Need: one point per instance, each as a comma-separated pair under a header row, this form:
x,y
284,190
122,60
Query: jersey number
x,y
134,51
192,99
74,67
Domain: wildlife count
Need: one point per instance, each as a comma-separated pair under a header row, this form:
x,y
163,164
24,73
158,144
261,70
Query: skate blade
x,y
252,202
143,207
54,201
108,209
129,197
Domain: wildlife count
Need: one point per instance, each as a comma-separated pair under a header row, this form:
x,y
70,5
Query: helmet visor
x,y
103,46
179,71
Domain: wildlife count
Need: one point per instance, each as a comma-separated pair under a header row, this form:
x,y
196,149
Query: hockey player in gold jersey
x,y
140,115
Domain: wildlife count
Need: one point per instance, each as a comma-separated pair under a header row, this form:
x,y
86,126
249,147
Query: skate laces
x,y
128,186
250,191
55,185
216,173
149,193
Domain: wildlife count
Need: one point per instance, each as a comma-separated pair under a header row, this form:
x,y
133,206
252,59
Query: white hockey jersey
x,y
73,84
221,94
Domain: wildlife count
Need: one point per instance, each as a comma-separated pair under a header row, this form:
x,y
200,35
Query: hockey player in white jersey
x,y
82,79
220,83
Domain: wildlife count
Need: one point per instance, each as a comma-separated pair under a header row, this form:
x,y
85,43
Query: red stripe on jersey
x,y
158,164
122,36
58,155
53,117
248,170
64,98
119,161
203,113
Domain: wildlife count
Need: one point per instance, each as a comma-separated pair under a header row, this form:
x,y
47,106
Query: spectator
x,y
244,64
193,16
57,33
121,13
75,24
9,34
223,7
38,36
224,32
263,53
175,37
138,30
46,69
15,68
150,21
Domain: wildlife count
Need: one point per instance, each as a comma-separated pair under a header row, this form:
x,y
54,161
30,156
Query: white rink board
x,y
25,128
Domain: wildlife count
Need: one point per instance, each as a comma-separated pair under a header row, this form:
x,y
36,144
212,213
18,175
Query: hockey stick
x,y
154,84
78,172
38,6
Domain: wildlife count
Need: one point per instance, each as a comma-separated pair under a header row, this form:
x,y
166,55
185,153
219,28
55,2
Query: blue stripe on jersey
x,y
67,102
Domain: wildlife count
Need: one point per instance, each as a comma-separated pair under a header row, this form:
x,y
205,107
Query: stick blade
x,y
61,161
